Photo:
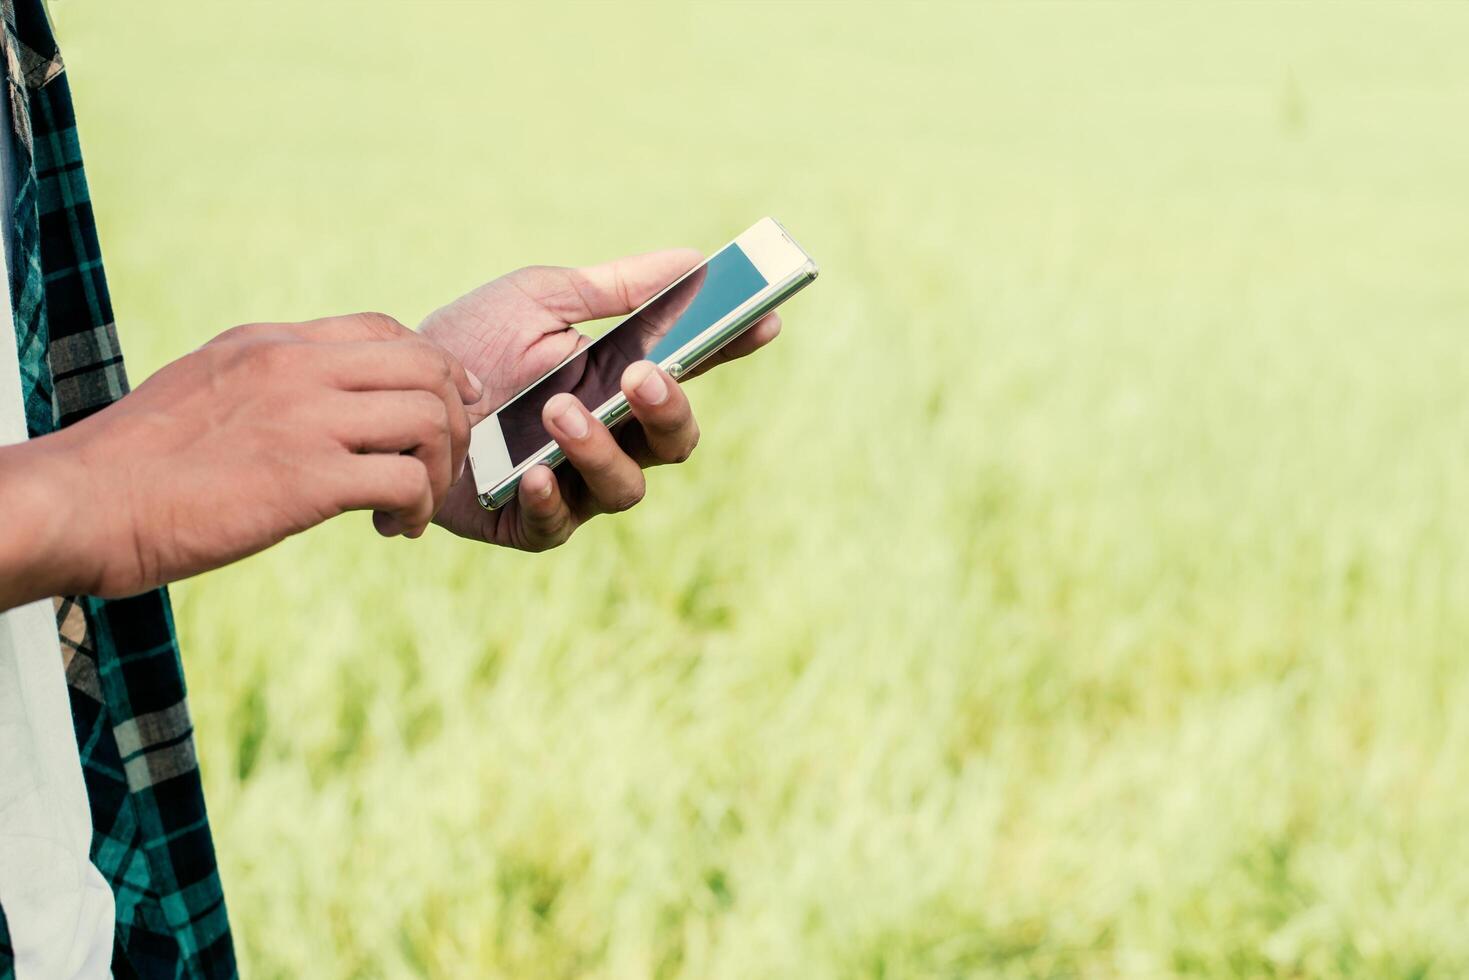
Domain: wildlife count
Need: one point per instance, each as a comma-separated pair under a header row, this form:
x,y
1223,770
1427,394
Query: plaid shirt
x,y
150,835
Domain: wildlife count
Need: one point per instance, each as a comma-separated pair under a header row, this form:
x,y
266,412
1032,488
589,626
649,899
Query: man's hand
x,y
511,331
263,432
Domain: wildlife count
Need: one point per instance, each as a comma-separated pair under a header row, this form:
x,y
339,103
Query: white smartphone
x,y
706,308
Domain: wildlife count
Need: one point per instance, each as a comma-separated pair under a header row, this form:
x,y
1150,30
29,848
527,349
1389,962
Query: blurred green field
x,y
1077,588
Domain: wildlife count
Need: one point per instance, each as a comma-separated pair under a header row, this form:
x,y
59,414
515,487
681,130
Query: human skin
x,y
263,432
515,329
592,377
270,429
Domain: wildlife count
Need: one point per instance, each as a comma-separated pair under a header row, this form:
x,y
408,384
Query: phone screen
x,y
688,308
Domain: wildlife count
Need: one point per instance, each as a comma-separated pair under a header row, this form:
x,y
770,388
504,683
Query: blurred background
x,y
1077,588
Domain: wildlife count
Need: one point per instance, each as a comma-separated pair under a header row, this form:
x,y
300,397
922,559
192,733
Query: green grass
x,y
1078,588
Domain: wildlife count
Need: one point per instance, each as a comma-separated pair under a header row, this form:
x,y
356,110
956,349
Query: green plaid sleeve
x,y
7,954
151,837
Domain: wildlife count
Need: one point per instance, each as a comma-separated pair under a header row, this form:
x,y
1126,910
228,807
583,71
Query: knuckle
x,y
459,426
683,452
433,364
629,498
399,490
237,333
269,358
433,417
553,286
379,325
552,538
410,485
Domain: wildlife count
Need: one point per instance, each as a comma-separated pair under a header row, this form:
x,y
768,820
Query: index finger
x,y
381,328
411,362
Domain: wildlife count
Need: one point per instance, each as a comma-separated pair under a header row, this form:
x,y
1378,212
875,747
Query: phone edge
x,y
686,359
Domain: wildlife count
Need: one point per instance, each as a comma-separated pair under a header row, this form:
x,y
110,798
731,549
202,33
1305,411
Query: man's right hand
x,y
265,431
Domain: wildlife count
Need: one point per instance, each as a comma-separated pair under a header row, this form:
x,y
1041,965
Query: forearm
x,y
37,556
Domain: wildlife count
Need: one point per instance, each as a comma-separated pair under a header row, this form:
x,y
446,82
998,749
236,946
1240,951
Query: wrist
x,y
38,557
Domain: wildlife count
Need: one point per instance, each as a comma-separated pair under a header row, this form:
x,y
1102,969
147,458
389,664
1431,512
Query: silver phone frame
x,y
677,364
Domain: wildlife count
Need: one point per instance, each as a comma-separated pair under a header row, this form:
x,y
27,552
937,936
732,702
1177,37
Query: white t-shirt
x,y
57,905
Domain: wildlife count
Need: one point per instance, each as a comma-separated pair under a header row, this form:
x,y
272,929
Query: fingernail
x,y
572,422
652,389
477,385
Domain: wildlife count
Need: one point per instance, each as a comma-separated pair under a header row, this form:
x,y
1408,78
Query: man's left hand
x,y
513,330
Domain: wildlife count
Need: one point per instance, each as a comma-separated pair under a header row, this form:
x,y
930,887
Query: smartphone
x,y
697,314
